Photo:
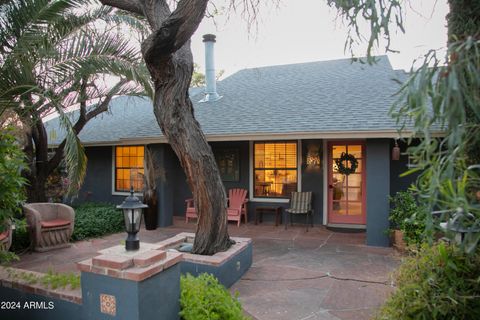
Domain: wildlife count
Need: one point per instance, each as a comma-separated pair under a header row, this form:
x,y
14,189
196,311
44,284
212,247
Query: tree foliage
x,y
198,78
55,55
443,96
12,162
381,17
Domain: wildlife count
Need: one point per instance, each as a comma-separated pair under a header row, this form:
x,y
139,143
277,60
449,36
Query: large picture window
x,y
275,169
129,168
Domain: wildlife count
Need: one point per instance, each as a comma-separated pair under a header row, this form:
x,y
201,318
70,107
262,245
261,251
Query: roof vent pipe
x,y
210,79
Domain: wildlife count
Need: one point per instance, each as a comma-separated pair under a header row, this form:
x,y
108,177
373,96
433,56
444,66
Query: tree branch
x,y
103,106
134,6
175,31
156,12
83,118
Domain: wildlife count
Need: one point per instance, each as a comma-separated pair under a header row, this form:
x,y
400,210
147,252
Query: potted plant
x,y
150,190
407,220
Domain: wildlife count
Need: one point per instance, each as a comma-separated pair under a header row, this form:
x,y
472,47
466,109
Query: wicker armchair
x,y
50,225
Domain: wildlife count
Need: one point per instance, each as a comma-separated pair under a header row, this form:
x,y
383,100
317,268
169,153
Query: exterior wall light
x,y
132,212
396,152
313,157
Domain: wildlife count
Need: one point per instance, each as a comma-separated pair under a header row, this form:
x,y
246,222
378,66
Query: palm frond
x,y
75,158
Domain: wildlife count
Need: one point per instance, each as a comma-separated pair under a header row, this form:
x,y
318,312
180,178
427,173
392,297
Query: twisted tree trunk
x,y
169,59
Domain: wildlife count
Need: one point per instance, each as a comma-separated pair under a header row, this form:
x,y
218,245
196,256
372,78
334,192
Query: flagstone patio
x,y
295,275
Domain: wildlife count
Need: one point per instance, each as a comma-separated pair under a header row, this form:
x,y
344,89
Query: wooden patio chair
x,y
190,212
300,203
237,205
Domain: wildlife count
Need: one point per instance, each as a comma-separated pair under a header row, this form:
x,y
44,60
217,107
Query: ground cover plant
x,y
51,279
95,220
203,298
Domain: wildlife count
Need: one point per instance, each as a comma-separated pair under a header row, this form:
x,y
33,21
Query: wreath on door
x,y
342,161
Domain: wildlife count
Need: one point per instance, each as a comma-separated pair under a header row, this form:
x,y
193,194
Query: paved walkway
x,y
296,275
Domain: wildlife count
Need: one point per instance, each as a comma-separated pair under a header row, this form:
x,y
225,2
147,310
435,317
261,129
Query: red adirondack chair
x,y
190,212
237,205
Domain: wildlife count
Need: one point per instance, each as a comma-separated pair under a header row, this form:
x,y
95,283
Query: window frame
x,y
114,166
252,196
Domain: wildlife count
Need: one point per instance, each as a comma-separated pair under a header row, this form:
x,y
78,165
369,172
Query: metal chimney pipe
x,y
210,78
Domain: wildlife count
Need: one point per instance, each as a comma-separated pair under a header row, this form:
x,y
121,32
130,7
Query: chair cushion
x,y
54,223
3,235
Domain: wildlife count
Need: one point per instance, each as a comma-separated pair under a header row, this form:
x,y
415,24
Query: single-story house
x,y
273,130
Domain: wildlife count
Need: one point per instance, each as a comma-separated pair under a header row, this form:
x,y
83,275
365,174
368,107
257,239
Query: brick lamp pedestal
x,y
138,285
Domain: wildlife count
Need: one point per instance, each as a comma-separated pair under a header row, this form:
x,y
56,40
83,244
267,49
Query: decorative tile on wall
x,y
108,304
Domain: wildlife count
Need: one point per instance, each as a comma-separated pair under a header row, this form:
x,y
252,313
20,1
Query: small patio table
x,y
277,210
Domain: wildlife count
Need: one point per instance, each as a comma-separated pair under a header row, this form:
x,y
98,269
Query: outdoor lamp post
x,y
132,212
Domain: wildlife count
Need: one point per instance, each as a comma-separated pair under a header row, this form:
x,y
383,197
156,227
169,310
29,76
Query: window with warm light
x,y
129,168
275,169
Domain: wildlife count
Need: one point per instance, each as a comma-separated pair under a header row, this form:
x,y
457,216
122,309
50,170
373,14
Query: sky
x,y
308,30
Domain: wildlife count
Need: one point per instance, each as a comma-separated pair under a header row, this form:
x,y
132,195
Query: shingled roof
x,y
316,99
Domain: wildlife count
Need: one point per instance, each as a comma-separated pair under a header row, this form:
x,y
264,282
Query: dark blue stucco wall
x,y
181,190
97,186
173,188
164,162
382,174
60,309
397,167
312,179
242,147
153,298
378,189
227,273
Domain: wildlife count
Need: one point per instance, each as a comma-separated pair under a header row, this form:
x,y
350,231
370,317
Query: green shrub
x,y
204,298
408,217
439,282
96,219
12,163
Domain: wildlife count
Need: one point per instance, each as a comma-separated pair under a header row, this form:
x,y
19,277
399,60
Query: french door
x,y
346,192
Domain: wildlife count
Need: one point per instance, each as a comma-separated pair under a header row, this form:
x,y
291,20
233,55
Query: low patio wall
x,y
21,299
228,266
118,284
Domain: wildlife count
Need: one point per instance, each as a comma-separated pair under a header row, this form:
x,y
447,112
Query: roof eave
x,y
262,136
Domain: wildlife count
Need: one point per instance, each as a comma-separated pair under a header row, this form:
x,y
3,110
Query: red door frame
x,y
362,220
